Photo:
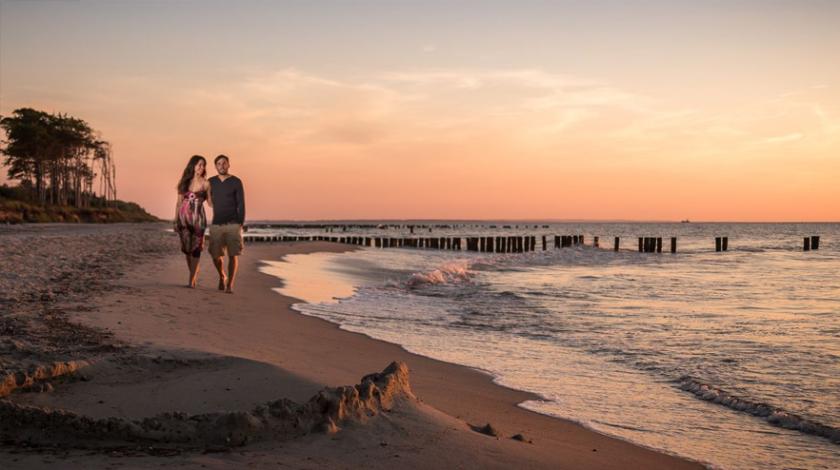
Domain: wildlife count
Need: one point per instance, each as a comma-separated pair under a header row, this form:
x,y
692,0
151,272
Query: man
x,y
228,218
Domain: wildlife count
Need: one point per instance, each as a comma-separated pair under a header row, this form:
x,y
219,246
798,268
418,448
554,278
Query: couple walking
x,y
226,197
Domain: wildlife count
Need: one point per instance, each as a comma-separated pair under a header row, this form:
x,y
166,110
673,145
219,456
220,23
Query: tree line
x,y
57,158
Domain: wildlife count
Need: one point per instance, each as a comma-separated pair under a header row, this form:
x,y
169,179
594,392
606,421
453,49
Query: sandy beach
x,y
148,372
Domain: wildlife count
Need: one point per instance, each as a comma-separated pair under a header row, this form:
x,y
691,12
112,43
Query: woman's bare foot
x,y
222,283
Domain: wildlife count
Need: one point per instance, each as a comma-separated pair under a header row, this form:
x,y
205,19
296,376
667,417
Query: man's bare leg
x,y
220,268
233,265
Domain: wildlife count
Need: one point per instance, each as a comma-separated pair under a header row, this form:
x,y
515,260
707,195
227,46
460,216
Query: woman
x,y
190,220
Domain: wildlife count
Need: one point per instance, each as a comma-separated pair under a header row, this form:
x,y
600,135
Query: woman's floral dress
x,y
192,222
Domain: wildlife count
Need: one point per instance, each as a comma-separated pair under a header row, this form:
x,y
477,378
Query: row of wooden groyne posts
x,y
498,244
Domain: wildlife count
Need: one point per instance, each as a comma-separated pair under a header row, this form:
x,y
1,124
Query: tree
x,y
57,156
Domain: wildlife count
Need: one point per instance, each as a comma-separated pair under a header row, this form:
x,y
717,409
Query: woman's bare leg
x,y
194,270
190,269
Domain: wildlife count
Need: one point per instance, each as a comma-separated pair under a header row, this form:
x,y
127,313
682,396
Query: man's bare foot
x,y
222,283
228,291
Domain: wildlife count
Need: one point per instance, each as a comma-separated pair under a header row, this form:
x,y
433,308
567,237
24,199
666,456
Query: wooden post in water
x,y
673,244
717,244
580,240
815,242
725,243
659,244
617,243
544,244
807,244
556,242
595,242
481,244
641,244
533,243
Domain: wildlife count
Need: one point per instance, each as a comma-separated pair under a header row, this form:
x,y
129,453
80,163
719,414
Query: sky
x,y
599,110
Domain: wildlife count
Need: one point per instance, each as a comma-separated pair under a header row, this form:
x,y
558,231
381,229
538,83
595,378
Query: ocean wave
x,y
448,273
773,415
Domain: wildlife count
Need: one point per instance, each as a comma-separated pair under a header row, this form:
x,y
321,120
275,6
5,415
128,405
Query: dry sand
x,y
245,374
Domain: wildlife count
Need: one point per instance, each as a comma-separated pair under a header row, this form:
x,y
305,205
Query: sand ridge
x,y
278,420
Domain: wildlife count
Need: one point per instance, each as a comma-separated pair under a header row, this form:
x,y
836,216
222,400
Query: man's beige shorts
x,y
225,238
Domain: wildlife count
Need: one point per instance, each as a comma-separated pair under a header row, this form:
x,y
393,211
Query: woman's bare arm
x,y
209,195
178,206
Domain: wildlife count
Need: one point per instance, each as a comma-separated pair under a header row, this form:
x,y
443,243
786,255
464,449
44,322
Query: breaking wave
x,y
771,414
448,273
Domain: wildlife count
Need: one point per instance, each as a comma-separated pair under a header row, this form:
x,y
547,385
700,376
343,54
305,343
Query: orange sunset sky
x,y
653,110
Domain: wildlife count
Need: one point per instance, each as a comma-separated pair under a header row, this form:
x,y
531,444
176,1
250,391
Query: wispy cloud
x,y
781,139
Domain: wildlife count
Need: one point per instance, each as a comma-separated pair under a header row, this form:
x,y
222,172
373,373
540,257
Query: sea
x,y
729,358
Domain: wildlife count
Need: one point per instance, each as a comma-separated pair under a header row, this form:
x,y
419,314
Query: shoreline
x,y
297,355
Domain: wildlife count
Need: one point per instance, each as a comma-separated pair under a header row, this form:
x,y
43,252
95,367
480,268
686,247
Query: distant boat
x,y
685,221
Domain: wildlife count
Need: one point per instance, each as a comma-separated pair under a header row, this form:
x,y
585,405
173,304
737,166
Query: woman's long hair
x,y
189,172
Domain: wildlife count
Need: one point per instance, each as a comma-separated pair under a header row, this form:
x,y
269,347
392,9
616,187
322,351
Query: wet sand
x,y
163,347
